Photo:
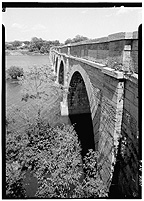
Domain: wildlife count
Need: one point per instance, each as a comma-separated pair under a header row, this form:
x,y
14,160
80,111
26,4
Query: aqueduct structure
x,y
100,78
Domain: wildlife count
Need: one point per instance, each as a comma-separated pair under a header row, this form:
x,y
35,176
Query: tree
x,y
43,49
15,72
36,43
9,46
33,47
68,41
16,43
52,154
34,40
56,43
26,42
76,39
40,45
79,38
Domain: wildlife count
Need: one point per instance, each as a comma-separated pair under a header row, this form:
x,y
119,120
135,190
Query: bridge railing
x,y
118,51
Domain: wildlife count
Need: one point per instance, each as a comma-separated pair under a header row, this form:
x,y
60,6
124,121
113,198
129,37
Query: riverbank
x,y
22,53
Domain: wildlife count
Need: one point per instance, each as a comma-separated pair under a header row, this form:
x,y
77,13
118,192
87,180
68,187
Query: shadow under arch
x,y
53,59
80,112
56,65
61,73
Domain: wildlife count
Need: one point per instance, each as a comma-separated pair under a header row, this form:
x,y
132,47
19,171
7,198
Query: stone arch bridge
x,y
100,78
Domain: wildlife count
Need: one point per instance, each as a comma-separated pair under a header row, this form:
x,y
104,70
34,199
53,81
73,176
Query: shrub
x,y
15,72
40,91
51,155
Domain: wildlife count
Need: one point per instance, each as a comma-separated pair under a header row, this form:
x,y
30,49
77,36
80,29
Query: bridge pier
x,y
108,67
64,109
64,104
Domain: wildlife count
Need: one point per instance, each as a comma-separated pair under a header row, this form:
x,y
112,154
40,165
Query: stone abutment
x,y
100,78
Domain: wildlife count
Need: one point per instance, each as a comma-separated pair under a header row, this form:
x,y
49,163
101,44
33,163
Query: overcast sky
x,y
63,23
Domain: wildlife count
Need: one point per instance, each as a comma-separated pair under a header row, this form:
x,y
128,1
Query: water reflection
x,y
13,92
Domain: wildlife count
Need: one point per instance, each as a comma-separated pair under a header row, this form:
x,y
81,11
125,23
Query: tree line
x,y
35,45
40,45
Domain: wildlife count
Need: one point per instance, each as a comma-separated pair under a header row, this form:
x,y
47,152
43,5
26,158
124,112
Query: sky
x,y
63,23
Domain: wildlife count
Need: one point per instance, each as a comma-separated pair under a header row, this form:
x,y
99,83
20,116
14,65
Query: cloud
x,y
39,27
122,10
19,26
25,28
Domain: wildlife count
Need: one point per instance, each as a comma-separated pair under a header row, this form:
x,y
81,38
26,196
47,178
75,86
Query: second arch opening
x,y
80,113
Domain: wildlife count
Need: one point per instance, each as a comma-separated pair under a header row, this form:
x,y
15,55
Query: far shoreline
x,y
24,52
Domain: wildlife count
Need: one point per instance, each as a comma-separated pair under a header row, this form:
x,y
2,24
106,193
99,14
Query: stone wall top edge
x,y
133,78
111,37
135,35
123,36
96,65
113,73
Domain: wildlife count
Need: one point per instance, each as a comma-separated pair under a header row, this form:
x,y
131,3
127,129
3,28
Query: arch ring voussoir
x,y
88,84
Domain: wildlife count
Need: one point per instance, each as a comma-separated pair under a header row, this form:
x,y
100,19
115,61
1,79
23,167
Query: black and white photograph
x,y
71,100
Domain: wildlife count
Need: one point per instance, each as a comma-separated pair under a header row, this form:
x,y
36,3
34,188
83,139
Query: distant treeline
x,y
40,45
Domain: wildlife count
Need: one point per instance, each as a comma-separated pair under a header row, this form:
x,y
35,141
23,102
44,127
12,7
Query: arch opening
x,y
53,59
79,112
56,65
61,74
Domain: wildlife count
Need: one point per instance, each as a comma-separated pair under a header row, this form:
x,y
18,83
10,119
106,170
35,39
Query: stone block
x,y
135,45
131,108
116,46
129,95
132,96
96,121
113,83
127,66
116,98
64,109
134,58
127,47
120,36
113,73
131,86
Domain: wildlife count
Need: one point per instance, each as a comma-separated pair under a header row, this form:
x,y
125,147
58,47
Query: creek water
x,y
13,89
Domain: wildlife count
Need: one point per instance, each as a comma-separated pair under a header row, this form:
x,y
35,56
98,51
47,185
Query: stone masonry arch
x,y
79,108
87,82
104,67
61,71
95,99
94,104
56,65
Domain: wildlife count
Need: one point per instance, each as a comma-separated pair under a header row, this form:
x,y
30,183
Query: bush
x,y
53,156
15,72
49,158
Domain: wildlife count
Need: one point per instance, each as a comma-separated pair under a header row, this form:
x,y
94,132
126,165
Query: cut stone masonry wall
x,y
112,51
128,179
113,97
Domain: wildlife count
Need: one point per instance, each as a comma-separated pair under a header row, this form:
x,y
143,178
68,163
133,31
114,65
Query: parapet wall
x,y
129,145
113,102
118,51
